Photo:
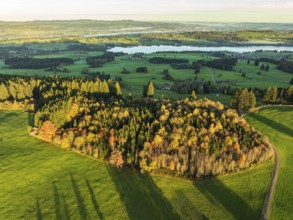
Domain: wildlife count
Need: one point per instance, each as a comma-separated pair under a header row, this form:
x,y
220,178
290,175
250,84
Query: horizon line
x,y
147,21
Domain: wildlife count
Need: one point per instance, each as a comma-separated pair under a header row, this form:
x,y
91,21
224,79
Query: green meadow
x,y
276,123
41,181
134,82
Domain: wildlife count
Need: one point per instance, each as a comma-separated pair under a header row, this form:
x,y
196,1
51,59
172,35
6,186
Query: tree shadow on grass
x,y
5,116
187,208
66,210
217,192
79,199
273,124
39,211
31,118
140,195
94,201
57,202
61,209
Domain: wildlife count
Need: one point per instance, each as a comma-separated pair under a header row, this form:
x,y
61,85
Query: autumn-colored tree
x,y
105,87
12,90
193,95
118,91
4,95
47,130
79,142
149,90
65,142
116,159
189,137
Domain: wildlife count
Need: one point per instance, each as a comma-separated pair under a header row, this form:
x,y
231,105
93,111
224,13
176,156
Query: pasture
x,y
276,123
40,180
133,82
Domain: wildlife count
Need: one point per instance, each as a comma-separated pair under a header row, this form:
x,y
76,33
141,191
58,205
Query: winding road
x,y
270,192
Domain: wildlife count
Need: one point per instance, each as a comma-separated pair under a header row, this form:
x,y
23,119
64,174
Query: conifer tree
x,y
150,90
193,95
289,94
117,89
271,94
3,92
12,90
105,87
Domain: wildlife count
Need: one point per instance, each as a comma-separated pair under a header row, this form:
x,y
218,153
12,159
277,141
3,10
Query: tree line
x,y
99,61
42,90
34,63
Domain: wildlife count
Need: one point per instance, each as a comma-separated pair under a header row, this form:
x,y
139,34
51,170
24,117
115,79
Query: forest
x,y
32,63
192,138
99,61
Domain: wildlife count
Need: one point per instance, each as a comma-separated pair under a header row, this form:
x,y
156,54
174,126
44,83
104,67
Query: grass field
x,y
39,180
277,122
135,81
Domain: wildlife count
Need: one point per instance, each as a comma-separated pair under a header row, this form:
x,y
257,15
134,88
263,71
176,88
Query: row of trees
x,y
226,63
243,100
164,60
198,35
42,90
286,66
99,61
34,63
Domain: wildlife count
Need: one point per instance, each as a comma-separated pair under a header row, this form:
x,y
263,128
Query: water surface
x,y
168,48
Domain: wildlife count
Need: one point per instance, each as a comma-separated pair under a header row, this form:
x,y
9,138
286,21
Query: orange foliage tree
x,y
47,130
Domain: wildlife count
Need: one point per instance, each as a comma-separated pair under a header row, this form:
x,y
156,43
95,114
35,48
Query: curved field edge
x,y
39,180
276,123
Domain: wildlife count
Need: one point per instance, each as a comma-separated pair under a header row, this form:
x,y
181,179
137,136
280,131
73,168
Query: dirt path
x,y
270,192
213,80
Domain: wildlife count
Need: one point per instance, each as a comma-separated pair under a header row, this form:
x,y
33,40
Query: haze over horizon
x,y
150,10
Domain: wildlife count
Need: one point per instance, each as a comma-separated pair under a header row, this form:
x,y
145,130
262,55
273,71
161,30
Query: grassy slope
x,y
40,180
276,122
273,77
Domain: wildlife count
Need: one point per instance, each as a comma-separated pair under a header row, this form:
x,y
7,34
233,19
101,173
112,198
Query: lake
x,y
167,48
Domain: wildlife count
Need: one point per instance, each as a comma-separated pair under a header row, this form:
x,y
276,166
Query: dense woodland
x,y
225,63
162,60
99,61
194,138
33,63
286,66
216,36
188,36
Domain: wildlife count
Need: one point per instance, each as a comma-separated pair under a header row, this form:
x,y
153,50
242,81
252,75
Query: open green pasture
x,y
276,123
133,82
41,181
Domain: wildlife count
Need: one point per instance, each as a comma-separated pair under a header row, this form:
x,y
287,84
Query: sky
x,y
161,10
